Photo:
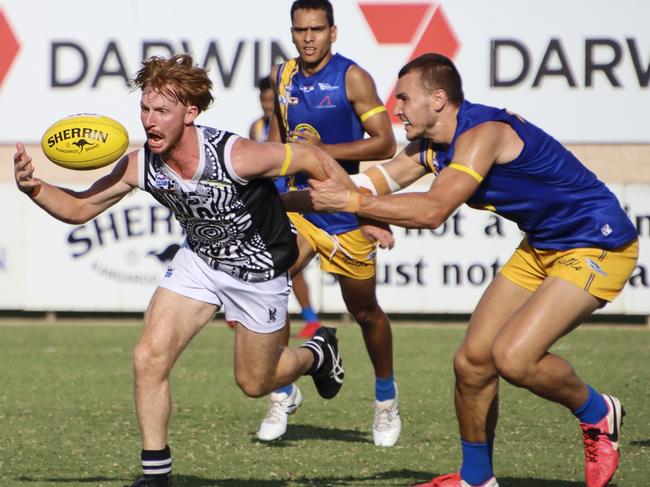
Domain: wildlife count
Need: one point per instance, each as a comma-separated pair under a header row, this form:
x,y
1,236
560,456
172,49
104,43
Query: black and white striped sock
x,y
317,350
156,463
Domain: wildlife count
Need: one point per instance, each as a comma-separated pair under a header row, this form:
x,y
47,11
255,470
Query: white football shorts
x,y
259,306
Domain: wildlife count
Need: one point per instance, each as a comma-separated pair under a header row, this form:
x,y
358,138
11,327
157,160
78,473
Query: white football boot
x,y
281,405
388,424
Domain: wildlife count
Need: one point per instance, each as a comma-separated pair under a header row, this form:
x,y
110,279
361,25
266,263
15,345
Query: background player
x,y
327,100
238,249
259,131
579,250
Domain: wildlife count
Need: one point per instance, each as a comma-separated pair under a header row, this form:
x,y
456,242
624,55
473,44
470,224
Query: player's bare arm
x,y
380,144
385,178
476,151
271,159
70,206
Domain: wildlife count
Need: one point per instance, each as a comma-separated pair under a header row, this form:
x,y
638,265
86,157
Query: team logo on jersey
x,y
595,267
327,87
163,182
326,103
292,100
305,127
606,229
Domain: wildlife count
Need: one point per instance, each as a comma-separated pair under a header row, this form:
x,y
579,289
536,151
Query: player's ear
x,y
439,99
333,33
191,112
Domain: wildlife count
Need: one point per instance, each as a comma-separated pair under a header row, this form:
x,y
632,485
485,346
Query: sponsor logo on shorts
x,y
570,262
595,267
169,272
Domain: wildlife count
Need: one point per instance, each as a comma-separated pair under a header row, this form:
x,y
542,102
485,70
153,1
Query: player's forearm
x,y
297,201
61,203
409,210
370,149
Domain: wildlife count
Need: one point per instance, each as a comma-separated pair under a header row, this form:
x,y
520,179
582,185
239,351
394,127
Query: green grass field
x,y
66,413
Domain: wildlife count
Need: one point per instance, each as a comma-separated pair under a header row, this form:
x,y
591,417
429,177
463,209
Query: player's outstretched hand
x,y
24,171
379,233
330,194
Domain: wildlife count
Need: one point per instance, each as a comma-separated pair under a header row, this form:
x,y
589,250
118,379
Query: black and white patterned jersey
x,y
234,225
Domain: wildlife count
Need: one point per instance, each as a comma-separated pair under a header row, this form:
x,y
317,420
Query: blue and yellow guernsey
x,y
546,190
319,104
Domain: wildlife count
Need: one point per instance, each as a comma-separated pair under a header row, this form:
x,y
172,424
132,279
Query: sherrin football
x,y
85,141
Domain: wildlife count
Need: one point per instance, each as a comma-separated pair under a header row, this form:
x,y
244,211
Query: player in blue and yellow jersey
x,y
328,100
259,129
259,132
578,251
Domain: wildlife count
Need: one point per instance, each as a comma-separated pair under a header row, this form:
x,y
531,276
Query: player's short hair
x,y
264,84
177,78
314,5
437,72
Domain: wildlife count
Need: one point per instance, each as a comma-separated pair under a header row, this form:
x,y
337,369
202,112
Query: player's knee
x,y
472,368
149,360
511,365
367,315
251,386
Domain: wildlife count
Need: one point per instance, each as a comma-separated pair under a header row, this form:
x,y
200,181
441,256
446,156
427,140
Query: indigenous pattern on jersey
x,y
236,226
546,191
319,104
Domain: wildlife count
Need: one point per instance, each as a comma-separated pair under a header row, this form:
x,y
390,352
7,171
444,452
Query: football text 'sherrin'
x,y
76,133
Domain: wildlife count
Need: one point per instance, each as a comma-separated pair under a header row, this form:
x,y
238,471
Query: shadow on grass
x,y
299,432
389,478
640,443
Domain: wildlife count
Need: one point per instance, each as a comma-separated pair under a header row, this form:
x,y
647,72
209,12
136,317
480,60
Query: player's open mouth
x,y
152,137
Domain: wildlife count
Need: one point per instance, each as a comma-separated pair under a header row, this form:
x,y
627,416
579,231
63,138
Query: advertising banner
x,y
114,262
579,69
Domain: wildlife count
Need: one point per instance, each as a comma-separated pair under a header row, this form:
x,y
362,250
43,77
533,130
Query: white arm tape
x,y
392,184
362,181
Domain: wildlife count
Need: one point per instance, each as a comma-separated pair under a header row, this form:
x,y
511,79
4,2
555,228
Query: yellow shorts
x,y
602,273
349,254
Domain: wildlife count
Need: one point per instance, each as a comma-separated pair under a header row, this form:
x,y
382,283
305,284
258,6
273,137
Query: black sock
x,y
156,463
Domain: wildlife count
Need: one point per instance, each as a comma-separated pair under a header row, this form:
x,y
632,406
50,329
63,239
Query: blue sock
x,y
286,389
477,462
593,409
384,388
309,315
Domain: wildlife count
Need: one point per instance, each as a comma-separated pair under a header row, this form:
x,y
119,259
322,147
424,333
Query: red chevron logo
x,y
9,47
423,25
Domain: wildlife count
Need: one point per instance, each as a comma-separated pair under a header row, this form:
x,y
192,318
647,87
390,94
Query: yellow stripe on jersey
x,y
371,112
288,71
467,170
287,159
430,156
